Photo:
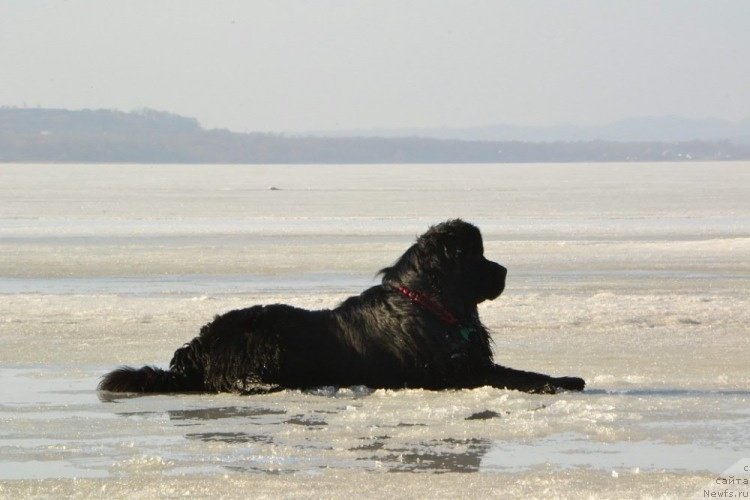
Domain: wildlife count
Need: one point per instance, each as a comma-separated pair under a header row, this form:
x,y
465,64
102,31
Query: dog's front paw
x,y
545,388
569,383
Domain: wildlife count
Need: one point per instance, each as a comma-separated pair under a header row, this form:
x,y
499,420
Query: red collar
x,y
429,304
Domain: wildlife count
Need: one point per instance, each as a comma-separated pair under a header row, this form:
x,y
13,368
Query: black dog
x,y
420,328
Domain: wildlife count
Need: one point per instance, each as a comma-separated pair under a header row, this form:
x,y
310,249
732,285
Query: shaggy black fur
x,y
380,338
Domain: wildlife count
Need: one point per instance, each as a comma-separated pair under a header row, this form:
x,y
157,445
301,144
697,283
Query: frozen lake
x,y
633,276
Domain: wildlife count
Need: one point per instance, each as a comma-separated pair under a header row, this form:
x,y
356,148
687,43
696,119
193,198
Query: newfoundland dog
x,y
419,328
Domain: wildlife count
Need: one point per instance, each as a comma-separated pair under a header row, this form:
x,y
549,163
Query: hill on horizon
x,y
149,136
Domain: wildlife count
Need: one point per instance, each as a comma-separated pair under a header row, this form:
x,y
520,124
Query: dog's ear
x,y
405,269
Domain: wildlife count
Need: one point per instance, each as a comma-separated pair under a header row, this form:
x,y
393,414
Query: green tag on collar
x,y
466,332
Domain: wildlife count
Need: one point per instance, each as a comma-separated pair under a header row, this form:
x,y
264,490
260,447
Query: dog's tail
x,y
145,379
185,374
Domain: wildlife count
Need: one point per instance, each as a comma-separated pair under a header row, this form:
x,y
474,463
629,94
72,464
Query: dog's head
x,y
448,260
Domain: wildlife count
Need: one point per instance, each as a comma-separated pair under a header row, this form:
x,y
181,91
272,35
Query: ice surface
x,y
635,277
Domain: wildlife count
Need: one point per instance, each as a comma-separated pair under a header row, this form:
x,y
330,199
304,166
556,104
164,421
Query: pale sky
x,y
292,65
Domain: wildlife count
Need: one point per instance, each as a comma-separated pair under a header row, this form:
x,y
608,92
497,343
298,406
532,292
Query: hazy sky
x,y
291,65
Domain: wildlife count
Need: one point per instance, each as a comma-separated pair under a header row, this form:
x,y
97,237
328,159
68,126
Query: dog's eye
x,y
463,254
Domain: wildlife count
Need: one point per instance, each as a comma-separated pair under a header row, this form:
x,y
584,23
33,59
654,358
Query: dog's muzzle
x,y
494,280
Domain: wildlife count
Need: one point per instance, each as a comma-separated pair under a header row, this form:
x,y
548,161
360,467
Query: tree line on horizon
x,y
147,136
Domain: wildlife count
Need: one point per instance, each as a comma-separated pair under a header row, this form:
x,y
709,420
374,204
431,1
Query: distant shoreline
x,y
153,137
